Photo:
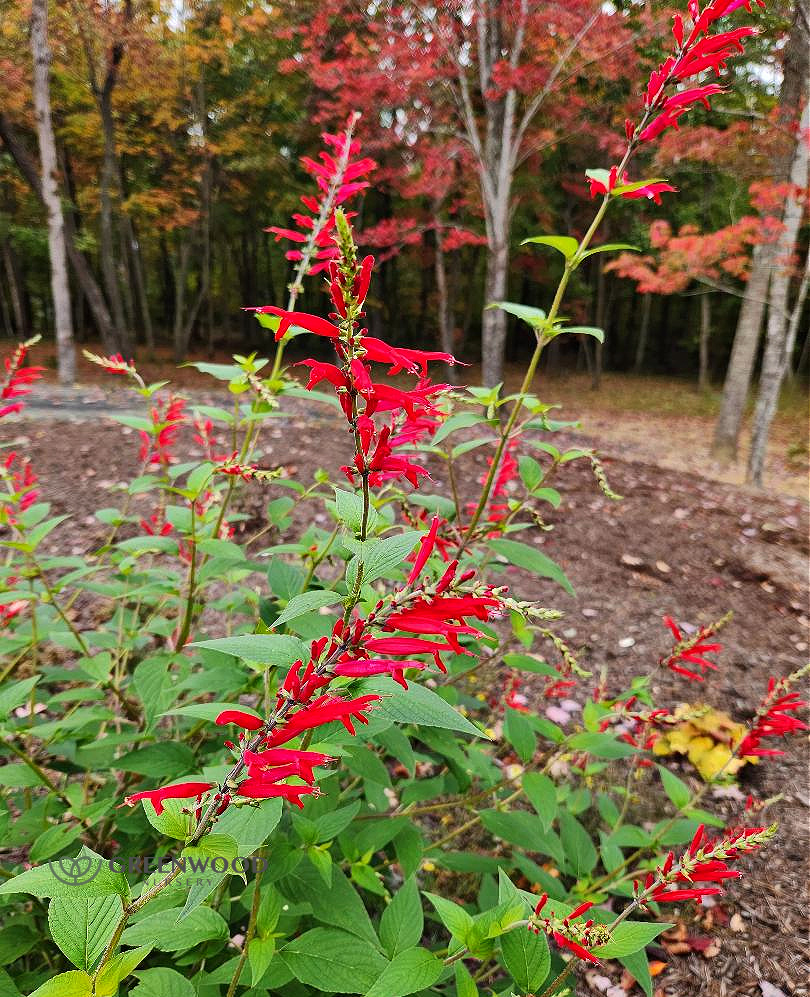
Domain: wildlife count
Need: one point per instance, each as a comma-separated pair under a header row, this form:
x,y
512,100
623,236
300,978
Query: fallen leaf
x,y
736,923
657,967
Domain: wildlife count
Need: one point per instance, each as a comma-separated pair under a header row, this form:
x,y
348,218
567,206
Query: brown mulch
x,y
678,543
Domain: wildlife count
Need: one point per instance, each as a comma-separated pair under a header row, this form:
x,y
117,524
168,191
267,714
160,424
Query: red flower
x,y
257,789
181,791
572,946
300,763
245,720
18,379
773,720
323,711
426,545
691,650
361,667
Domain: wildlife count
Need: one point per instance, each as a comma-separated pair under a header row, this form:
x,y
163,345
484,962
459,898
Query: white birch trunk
x,y
60,286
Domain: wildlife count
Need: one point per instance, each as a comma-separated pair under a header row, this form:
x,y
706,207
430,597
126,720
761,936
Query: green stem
x,y
250,932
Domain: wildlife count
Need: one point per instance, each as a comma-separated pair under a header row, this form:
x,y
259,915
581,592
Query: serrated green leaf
x,y
524,556
542,794
402,921
535,317
413,970
527,958
269,649
629,937
418,705
72,984
333,960
82,928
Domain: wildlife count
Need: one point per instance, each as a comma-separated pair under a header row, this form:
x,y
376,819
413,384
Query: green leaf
x,y
306,602
171,823
601,745
675,788
260,955
86,876
518,827
388,554
166,760
118,969
527,957
457,921
333,960
542,794
350,511
579,849
610,247
168,933
627,188
465,984
53,840
412,970
535,317
162,982
72,984
418,705
206,711
269,649
531,472
524,556
527,663
519,733
15,694
629,937
638,965
564,244
81,927
402,921
462,420
584,330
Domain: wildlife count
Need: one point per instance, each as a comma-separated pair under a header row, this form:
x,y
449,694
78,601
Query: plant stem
x,y
250,932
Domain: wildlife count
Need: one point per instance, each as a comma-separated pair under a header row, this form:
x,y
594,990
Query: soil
x,y
678,543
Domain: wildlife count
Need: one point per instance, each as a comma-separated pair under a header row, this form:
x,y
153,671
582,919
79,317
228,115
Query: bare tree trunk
x,y
795,318
15,292
749,323
109,258
493,320
705,337
140,283
643,333
445,316
776,357
60,286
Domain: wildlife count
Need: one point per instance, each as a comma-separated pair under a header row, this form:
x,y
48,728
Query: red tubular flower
x,y
301,763
773,720
182,791
578,950
408,645
691,650
362,667
312,323
18,380
323,711
257,789
426,545
244,720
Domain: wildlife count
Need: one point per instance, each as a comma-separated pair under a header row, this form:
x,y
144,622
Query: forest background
x,y
170,137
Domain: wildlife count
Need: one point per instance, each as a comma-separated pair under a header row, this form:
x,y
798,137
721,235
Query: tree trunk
x,y
796,317
749,323
493,320
445,317
109,259
776,357
60,286
705,336
643,333
15,290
